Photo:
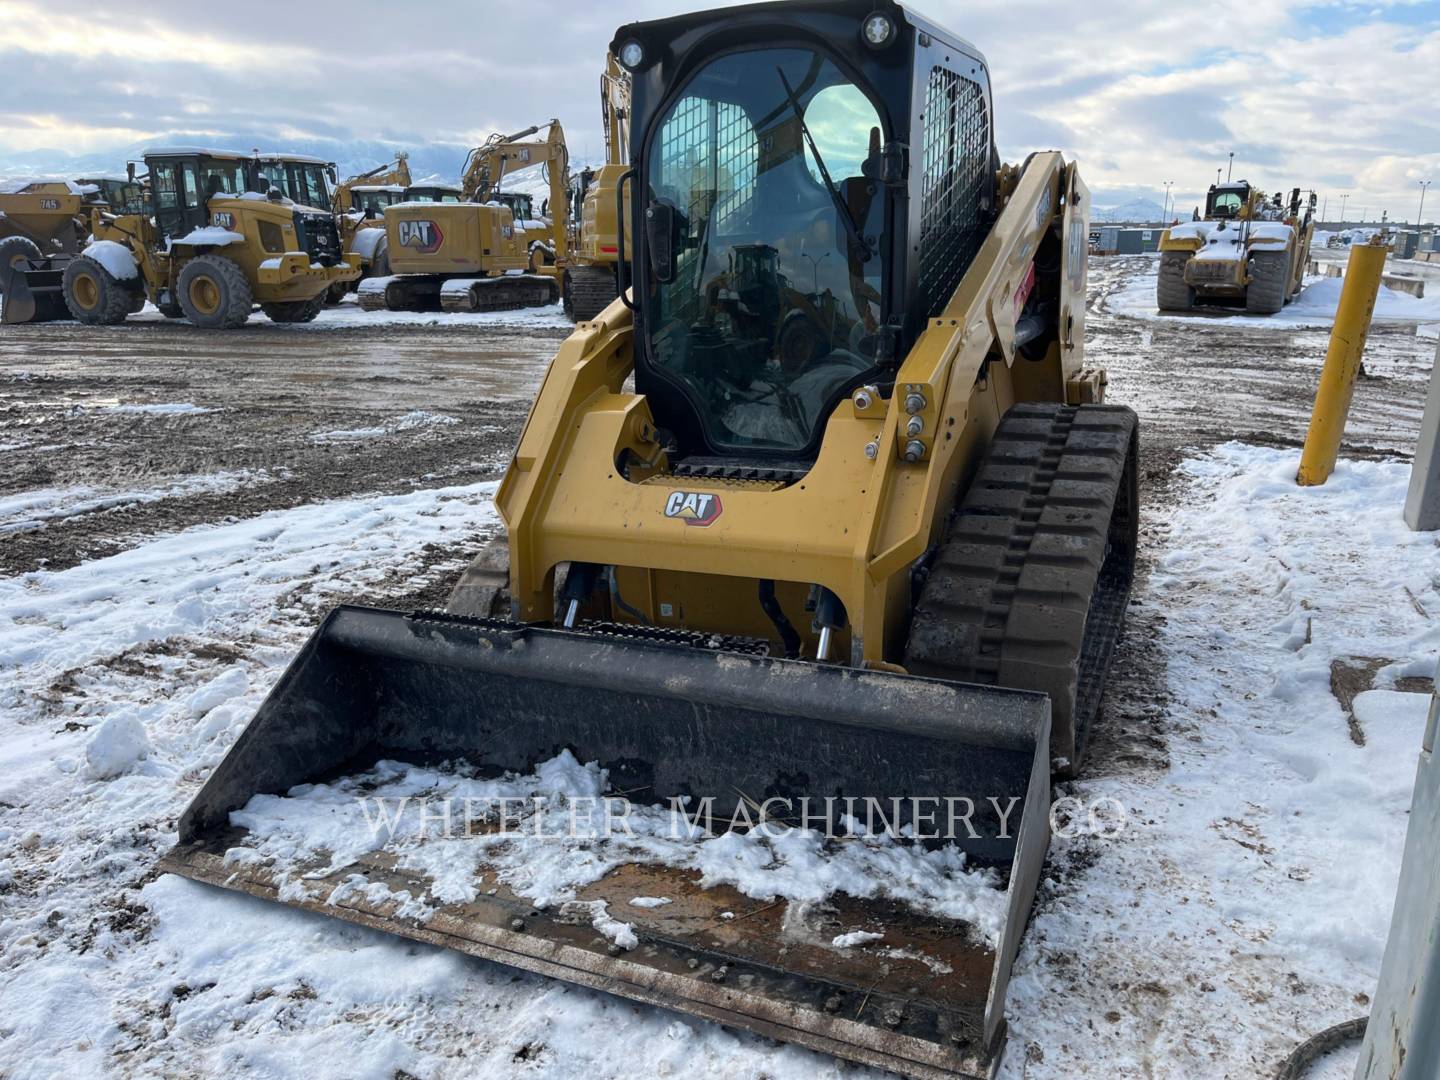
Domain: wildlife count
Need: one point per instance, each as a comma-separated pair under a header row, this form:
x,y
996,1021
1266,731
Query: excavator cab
x,y
741,576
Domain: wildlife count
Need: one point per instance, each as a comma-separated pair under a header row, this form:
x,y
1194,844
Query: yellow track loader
x,y
1248,252
54,218
478,255
592,275
208,247
893,571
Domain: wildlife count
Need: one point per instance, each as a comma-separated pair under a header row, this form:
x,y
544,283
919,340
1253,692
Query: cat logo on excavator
x,y
693,507
424,236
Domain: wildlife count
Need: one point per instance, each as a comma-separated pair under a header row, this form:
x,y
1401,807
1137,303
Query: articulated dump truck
x,y
825,512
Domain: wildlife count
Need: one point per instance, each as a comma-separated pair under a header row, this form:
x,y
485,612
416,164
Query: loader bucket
x,y
668,714
33,292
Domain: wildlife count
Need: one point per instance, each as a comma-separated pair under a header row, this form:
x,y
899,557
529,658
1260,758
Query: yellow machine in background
x,y
477,255
359,204
209,246
1248,252
54,217
891,566
592,269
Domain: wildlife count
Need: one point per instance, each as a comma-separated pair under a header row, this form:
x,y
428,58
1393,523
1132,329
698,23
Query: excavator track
x,y
1028,589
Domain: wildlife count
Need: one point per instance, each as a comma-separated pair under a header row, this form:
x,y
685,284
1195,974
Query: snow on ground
x,y
1314,307
348,314
37,507
1246,907
411,421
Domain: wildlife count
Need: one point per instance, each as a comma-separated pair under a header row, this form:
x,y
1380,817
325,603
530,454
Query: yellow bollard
x,y
1342,362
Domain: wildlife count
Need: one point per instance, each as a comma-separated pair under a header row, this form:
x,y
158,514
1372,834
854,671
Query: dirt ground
x,y
110,437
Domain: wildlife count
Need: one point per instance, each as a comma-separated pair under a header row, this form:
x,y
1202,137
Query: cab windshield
x,y
767,314
123,196
1226,204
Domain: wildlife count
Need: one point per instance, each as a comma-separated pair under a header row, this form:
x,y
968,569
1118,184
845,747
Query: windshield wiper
x,y
852,231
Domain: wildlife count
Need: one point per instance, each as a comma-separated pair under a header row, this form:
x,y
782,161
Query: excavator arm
x,y
395,172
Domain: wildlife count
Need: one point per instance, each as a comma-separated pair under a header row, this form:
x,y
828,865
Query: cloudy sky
x,y
1336,96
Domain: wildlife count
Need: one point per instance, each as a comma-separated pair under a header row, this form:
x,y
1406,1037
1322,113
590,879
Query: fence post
x,y
1342,362
1422,503
1402,1041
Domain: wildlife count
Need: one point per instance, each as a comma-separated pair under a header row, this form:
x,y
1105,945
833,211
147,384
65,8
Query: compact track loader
x,y
208,247
477,253
893,568
1248,252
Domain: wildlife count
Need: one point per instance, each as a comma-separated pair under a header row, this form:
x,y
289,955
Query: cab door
x,y
175,191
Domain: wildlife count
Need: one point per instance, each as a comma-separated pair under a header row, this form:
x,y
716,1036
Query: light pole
x,y
1323,207
1165,213
1342,208
1231,170
1420,217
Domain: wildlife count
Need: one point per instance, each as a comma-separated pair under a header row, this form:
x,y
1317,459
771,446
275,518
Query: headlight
x,y
878,30
632,54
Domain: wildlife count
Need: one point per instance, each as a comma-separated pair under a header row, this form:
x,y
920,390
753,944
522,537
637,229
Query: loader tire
x,y
171,310
1172,292
295,311
14,251
214,294
1269,280
337,292
1029,586
589,290
93,295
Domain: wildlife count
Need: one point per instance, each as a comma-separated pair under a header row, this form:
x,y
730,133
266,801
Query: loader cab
x,y
122,196
304,180
1226,202
183,181
436,193
371,200
782,153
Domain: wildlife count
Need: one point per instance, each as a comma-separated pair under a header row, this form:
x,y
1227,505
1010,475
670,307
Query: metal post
x,y
1342,362
1230,170
1422,503
1402,1041
1420,217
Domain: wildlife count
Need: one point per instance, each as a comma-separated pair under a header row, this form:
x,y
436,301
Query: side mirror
x,y
663,225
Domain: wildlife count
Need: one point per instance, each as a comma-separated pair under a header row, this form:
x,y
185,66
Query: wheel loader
x,y
1247,252
53,218
476,255
208,247
591,280
895,571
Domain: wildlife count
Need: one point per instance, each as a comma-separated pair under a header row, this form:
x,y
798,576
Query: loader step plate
x,y
383,713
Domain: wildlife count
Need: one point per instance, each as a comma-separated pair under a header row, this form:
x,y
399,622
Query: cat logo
x,y
693,507
424,236
49,204
224,220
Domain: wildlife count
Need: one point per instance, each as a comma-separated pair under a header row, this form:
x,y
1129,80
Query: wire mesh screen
x,y
709,148
956,171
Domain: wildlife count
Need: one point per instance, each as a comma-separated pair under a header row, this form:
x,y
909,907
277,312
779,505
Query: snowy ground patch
x,y
1247,905
411,421
38,507
348,315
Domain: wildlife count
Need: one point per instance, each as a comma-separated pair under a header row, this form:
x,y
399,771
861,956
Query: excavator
x,y
358,204
891,570
482,254
592,279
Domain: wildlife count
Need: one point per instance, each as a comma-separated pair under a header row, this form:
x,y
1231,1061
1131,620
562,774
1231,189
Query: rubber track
x,y
1029,587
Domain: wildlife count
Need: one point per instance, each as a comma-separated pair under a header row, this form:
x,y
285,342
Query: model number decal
x,y
49,204
693,507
